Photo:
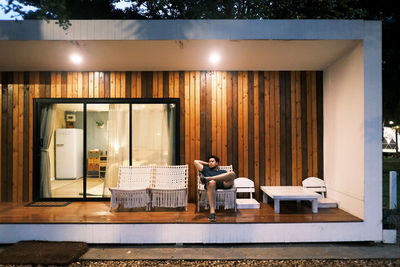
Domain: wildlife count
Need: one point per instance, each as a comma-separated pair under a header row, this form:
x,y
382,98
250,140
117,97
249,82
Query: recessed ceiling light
x,y
215,58
75,58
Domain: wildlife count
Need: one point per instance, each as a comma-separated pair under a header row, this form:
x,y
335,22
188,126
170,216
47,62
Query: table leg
x,y
265,198
315,206
276,203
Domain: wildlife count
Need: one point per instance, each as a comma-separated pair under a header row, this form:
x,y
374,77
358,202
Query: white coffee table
x,y
298,193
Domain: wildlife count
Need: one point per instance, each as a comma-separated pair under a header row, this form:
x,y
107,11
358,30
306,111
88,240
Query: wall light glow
x,y
215,58
75,58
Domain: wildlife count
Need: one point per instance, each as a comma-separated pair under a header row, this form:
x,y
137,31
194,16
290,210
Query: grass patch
x,y
391,219
389,164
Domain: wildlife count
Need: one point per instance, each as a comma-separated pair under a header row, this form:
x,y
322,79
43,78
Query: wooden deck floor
x,y
98,212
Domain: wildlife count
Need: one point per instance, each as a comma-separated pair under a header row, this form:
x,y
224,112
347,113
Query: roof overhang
x,y
110,45
171,55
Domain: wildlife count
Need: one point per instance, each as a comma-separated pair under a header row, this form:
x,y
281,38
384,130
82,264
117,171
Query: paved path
x,y
237,252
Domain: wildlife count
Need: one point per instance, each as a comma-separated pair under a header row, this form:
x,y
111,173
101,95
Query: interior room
x,y
107,144
67,146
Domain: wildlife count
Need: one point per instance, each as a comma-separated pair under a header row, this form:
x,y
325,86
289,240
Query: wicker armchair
x,y
132,190
169,186
223,197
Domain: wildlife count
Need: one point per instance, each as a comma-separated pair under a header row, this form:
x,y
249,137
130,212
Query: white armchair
x,y
223,197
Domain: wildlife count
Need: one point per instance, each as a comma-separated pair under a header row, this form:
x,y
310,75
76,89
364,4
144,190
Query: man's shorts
x,y
219,184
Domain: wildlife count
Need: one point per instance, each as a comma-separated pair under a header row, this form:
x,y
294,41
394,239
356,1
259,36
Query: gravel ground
x,y
227,263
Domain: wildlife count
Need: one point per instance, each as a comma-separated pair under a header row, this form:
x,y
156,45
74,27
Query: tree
x,y
63,10
250,9
388,12
45,9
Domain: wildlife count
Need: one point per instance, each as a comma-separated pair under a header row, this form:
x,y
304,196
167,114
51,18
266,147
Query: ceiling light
x,y
75,58
214,58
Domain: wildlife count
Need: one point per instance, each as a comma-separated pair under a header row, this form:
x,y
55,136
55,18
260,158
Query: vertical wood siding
x,y
267,124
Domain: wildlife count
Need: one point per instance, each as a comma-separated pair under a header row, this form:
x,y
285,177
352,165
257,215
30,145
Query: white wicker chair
x,y
132,190
223,197
169,186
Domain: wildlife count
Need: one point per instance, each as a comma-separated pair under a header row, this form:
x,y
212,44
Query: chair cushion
x,y
247,203
327,203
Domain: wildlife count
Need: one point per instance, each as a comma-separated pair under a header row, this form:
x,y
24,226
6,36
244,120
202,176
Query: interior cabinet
x,y
97,164
93,170
103,166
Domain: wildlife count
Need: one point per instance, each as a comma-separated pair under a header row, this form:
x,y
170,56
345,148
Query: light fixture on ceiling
x,y
76,58
215,58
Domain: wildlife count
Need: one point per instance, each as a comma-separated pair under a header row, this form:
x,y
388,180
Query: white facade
x,y
348,53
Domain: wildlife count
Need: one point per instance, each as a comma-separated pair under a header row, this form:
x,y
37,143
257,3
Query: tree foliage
x,y
64,10
250,9
387,11
45,9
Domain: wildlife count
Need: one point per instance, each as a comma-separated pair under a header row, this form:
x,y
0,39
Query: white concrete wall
x,y
344,131
353,131
186,233
373,128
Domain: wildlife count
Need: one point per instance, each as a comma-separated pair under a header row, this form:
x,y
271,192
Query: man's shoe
x,y
212,217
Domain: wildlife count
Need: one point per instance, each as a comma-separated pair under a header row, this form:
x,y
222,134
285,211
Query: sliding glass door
x,y
79,145
60,150
107,146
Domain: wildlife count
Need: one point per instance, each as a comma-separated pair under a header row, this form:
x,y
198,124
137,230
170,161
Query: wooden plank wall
x,y
267,124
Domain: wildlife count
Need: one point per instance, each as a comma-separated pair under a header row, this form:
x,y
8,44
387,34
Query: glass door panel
x,y
153,134
107,145
61,138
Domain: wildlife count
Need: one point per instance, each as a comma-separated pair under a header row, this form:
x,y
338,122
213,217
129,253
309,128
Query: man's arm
x,y
199,164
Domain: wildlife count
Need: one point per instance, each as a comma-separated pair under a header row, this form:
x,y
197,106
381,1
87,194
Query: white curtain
x,y
46,131
118,144
150,136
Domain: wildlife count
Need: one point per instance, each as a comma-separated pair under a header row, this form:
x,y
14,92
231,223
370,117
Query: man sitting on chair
x,y
213,178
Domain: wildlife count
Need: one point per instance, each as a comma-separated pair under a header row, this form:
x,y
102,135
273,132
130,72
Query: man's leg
x,y
227,178
211,188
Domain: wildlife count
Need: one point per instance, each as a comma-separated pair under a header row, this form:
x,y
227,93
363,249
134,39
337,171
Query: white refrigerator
x,y
69,153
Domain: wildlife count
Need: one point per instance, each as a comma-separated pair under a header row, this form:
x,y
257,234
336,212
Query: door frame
x,y
38,104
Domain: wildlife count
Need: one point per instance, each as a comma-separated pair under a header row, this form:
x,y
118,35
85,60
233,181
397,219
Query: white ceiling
x,y
172,55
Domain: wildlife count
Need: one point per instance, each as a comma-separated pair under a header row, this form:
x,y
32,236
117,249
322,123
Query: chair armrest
x,y
200,186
